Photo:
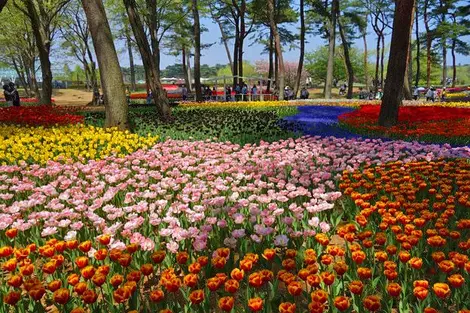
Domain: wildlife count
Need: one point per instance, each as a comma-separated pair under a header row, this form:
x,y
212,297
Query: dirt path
x,y
72,97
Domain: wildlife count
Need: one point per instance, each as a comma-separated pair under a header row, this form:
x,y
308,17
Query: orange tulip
x,y
416,263
157,295
328,278
194,268
85,246
197,296
226,303
342,303
121,295
6,251
54,285
132,248
182,257
446,266
364,272
104,239
190,280
404,256
246,265
430,310
420,292
61,296
218,262
441,290
115,254
80,288
11,233
237,274
288,264
232,286
358,256
37,292
49,267
73,279
71,244
98,279
223,252
319,295
255,280
213,283
287,307
372,303
314,280
255,304
456,280
295,288
134,276
203,260
88,272
269,254
421,283
81,261
356,287
394,289
89,296
340,268
125,259
12,298
101,254
27,269
116,280
222,277
15,281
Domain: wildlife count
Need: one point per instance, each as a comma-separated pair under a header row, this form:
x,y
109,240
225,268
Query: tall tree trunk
x,y
428,44
235,55
382,57
185,67
377,66
271,59
302,50
277,42
454,64
44,45
20,71
110,71
331,50
366,62
197,51
393,91
34,81
444,62
149,60
407,92
418,47
242,35
188,64
347,60
225,41
131,55
276,67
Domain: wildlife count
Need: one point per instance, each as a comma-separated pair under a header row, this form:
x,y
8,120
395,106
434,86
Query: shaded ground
x,y
72,97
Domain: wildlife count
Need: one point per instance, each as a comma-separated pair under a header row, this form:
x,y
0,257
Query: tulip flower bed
x,y
409,242
264,104
66,143
205,226
39,116
433,124
225,124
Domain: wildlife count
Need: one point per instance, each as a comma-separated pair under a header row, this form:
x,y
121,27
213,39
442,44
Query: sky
x,y
253,51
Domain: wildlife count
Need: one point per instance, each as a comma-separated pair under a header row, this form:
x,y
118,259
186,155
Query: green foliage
x,y
316,64
248,70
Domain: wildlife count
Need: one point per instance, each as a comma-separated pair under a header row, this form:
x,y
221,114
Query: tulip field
x,y
235,208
